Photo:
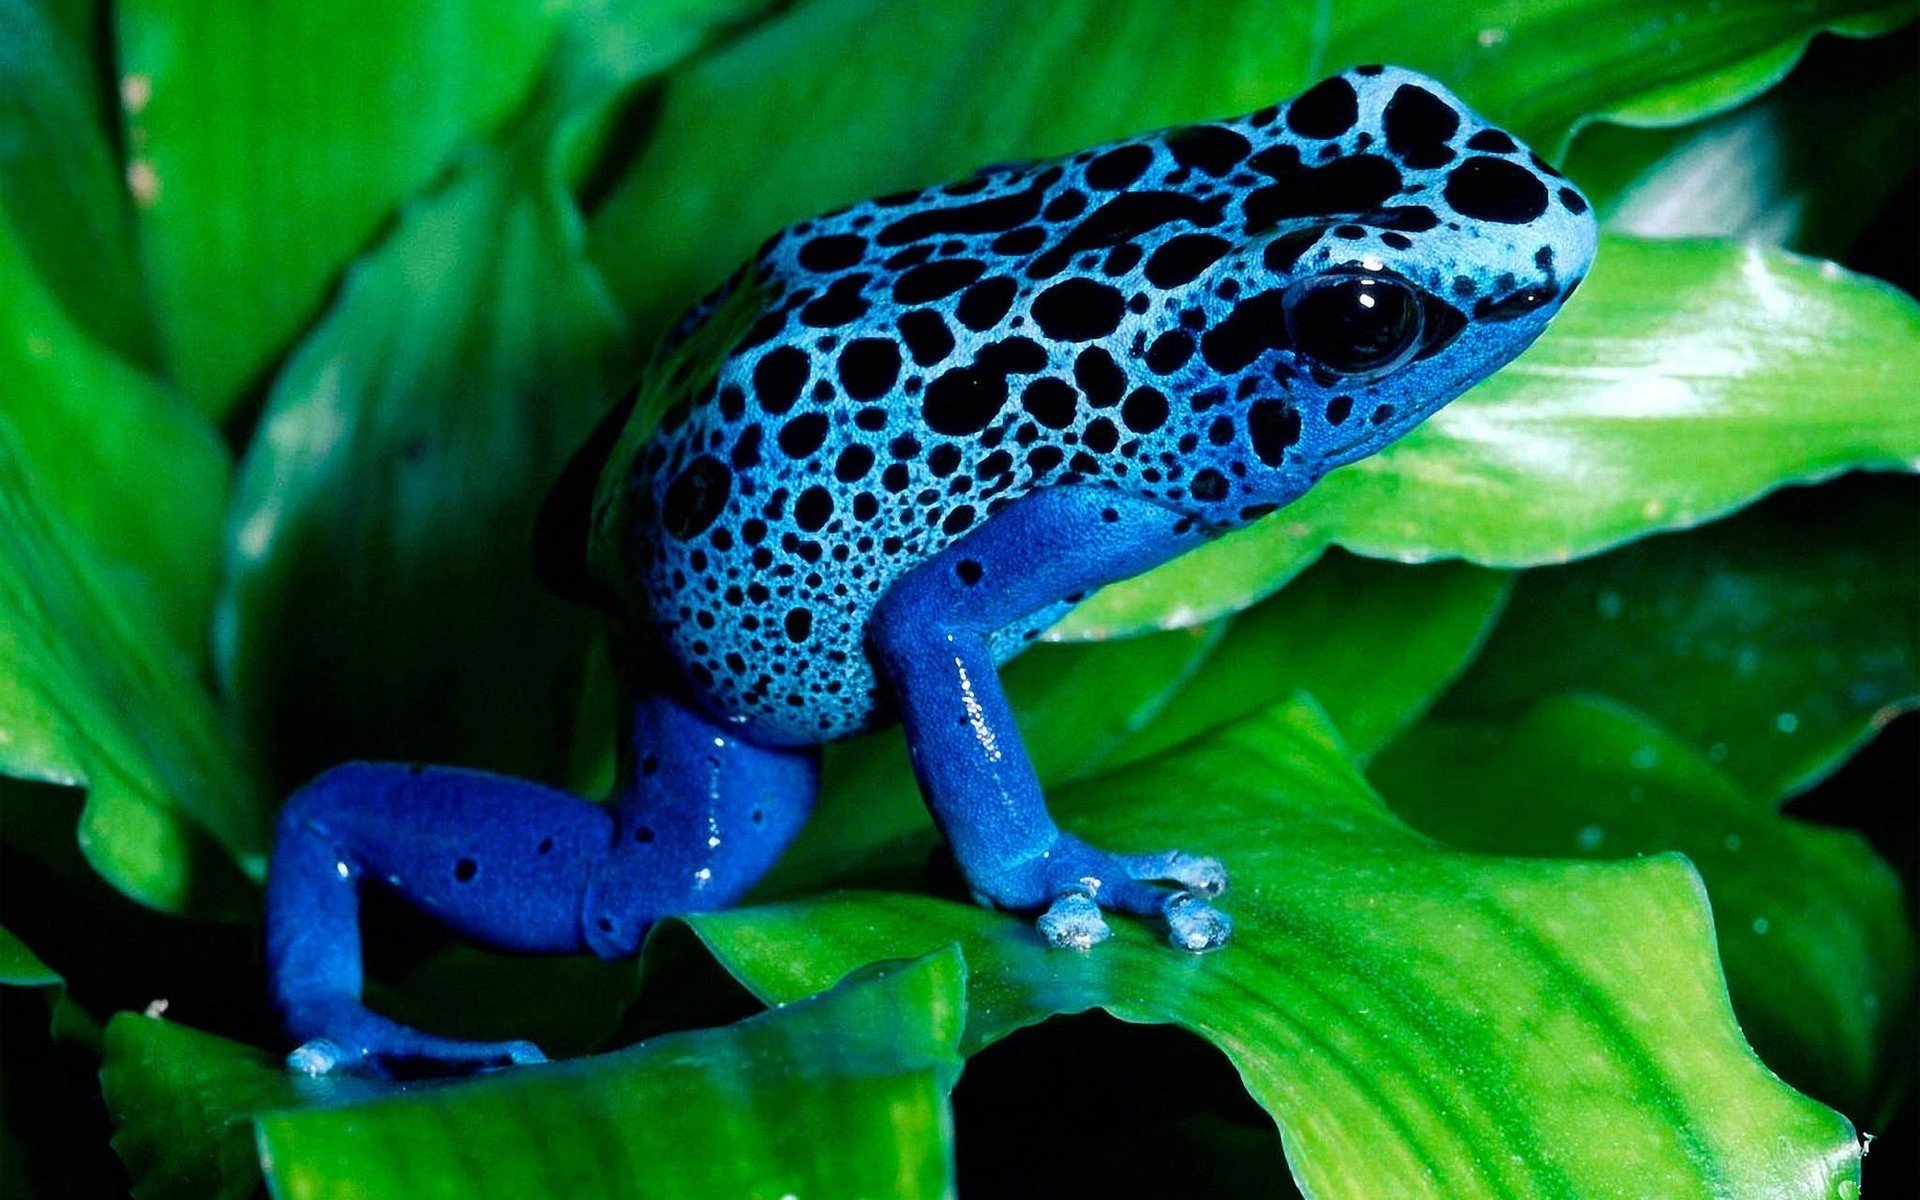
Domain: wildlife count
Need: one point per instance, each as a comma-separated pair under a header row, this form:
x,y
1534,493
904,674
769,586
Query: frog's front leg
x,y
931,635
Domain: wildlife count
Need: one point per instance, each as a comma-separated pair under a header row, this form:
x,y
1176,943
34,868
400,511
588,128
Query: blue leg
x,y
931,634
697,816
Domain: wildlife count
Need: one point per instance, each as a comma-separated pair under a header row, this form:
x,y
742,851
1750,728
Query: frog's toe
x,y
1073,922
1194,925
321,1056
1197,873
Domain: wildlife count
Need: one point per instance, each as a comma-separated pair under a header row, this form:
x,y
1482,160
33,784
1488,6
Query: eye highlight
x,y
1353,322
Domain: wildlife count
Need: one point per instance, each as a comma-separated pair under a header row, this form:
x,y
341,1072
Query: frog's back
x,y
919,361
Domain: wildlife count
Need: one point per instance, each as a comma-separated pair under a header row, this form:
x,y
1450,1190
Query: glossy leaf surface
x,y
844,1094
1397,1007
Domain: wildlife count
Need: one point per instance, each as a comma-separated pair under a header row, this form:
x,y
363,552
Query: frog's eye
x,y
1353,322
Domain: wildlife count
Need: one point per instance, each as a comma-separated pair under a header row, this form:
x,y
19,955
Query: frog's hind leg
x,y
696,817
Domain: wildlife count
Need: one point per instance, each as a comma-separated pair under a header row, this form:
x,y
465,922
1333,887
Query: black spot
x,y
1273,426
1066,206
1210,148
803,434
643,835
983,304
1118,167
1181,259
958,520
927,336
1351,233
1339,409
545,846
1399,241
1169,352
841,305
1022,241
969,571
1407,218
1012,356
986,216
1099,377
1284,251
465,870
778,378
963,401
813,508
1492,141
833,252
1051,402
1493,189
1145,410
1256,325
1357,183
1418,124
1125,216
1327,109
854,461
936,280
1120,260
1517,303
746,450
1078,310
944,459
869,367
695,497
799,623
1208,484
1575,202
1100,436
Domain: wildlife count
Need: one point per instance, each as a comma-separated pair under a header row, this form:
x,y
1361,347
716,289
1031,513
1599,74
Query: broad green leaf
x,y
95,695
1771,170
1818,956
1775,643
141,477
267,141
844,1094
380,598
1686,379
1399,1008
21,967
1373,643
60,183
817,108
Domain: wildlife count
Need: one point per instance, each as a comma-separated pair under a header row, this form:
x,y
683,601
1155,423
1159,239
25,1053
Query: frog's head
x,y
1397,250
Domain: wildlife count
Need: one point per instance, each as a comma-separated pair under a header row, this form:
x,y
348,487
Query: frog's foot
x,y
1078,882
361,1042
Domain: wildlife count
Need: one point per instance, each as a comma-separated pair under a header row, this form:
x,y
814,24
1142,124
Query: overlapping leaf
x,y
1398,1008
844,1094
1774,643
267,141
1809,921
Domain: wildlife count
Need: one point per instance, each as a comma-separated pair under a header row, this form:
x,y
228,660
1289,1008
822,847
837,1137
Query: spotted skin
x,y
912,434
1114,319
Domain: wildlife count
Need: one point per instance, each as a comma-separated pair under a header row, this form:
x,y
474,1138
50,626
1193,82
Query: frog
x,y
897,445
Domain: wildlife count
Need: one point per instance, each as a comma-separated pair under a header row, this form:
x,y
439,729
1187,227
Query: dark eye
x,y
1356,324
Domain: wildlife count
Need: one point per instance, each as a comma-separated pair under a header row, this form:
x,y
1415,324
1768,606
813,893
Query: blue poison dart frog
x,y
893,448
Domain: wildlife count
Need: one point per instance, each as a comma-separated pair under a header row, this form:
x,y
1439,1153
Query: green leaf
x,y
1775,643
141,477
21,967
1818,956
844,1094
1397,1007
1767,171
94,694
1686,379
60,183
267,141
813,109
384,513
1373,643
